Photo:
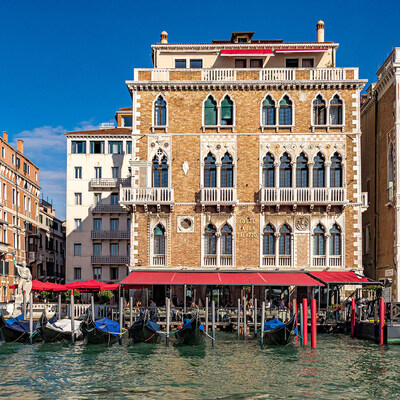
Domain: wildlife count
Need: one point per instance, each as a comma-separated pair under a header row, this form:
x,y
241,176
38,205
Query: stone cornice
x,y
75,135
244,85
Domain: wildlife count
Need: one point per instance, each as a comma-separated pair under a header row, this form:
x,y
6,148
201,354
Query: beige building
x,y
380,122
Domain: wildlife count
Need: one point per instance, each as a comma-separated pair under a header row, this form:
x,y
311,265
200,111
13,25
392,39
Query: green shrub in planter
x,y
105,296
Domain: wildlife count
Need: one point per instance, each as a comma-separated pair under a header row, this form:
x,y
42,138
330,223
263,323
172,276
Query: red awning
x,y
339,277
320,50
247,52
220,278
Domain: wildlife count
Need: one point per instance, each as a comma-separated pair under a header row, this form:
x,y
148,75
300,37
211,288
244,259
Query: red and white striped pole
x,y
295,313
353,318
314,323
305,322
381,319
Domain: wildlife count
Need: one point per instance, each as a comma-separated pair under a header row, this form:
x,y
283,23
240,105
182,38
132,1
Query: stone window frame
x,y
155,127
276,125
291,127
153,222
219,126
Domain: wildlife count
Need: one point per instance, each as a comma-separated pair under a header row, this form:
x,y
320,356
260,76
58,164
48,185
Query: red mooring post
x,y
314,323
305,322
295,313
353,318
381,319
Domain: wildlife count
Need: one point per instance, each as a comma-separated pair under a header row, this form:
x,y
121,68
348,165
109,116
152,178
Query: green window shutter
x,y
6,270
210,112
226,108
1,267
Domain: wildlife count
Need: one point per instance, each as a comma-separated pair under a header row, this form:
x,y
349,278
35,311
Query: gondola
x,y
54,330
192,331
102,331
145,330
279,333
15,329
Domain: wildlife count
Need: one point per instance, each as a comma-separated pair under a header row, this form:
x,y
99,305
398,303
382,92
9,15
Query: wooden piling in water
x,y
255,317
353,318
244,318
130,311
213,322
381,320
314,323
262,323
23,304
206,321
301,325
72,315
121,319
295,313
31,318
238,319
305,322
167,306
59,306
93,312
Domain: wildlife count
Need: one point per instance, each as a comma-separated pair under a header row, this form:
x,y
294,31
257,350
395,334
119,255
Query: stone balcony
x,y
147,196
108,183
213,196
271,196
110,234
245,74
109,260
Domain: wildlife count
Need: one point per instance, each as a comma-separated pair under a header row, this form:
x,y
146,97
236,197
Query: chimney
x,y
164,37
320,31
5,136
20,146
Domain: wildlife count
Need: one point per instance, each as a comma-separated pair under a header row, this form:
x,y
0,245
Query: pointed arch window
x,y
227,171
319,171
210,112
335,241
269,240
336,171
285,171
268,111
159,240
227,111
319,240
336,111
268,171
160,172
319,111
160,112
285,241
210,240
210,171
301,171
226,240
285,111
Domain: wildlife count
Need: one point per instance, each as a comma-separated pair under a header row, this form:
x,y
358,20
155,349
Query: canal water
x,y
340,368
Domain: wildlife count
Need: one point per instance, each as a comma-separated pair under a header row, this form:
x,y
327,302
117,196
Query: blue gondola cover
x,y
153,326
273,324
108,326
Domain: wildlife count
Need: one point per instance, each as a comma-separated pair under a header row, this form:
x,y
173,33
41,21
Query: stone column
x,y
310,165
327,248
327,173
293,174
276,174
277,235
218,248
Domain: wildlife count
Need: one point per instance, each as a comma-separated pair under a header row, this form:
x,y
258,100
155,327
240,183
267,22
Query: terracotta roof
x,y
124,109
256,41
103,131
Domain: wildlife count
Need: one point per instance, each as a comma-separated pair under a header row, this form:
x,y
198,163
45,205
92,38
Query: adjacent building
x,y
51,248
19,212
380,124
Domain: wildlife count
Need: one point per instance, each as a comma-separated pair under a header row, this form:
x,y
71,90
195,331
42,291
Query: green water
x,y
340,368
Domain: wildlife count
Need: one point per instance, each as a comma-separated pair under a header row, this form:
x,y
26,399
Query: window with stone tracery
x,y
285,239
302,171
319,171
336,111
269,240
285,171
160,171
160,112
336,171
319,111
319,240
268,172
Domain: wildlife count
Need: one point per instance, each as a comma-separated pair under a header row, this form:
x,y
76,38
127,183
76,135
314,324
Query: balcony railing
x,y
225,260
111,183
210,260
162,195
219,196
159,259
285,261
107,208
268,261
335,261
319,261
308,196
3,248
245,74
109,259
110,235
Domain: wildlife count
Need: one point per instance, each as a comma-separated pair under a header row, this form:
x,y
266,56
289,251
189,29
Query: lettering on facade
x,y
247,228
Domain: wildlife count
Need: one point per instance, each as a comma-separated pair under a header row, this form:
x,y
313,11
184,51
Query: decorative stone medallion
x,y
302,223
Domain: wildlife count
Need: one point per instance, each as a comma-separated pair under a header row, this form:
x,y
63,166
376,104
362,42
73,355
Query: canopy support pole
x,y
238,319
319,298
59,306
72,312
167,303
31,318
130,311
327,296
93,313
255,317
262,323
121,318
244,318
184,298
206,321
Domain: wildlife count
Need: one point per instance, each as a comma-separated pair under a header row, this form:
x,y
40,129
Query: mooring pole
x,y
305,322
31,318
255,317
238,319
353,318
130,311
93,313
381,320
59,306
244,319
121,319
72,313
314,323
262,323
184,298
213,322
206,322
319,298
295,313
23,304
167,303
301,325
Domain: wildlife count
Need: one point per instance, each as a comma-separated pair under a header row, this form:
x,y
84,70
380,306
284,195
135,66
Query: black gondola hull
x,y
11,335
280,336
142,334
94,335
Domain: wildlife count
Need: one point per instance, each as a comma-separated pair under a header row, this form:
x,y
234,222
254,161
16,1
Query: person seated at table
x,y
153,305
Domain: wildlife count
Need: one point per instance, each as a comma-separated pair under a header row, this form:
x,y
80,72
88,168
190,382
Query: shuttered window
x,y
268,171
301,171
210,112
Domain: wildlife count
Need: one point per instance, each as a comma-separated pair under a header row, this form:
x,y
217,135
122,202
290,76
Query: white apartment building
x,y
97,227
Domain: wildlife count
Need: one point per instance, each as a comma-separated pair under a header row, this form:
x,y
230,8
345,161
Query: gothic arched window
x,y
336,111
227,111
319,240
285,111
302,171
268,111
159,240
210,240
285,241
160,172
268,171
210,111
268,240
336,171
319,111
335,241
285,171
319,171
226,240
210,171
160,112
227,171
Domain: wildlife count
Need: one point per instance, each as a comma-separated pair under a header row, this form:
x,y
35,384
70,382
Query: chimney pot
x,y
20,146
164,37
320,31
5,136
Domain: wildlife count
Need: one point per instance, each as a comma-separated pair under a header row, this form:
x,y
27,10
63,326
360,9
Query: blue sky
x,y
64,63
